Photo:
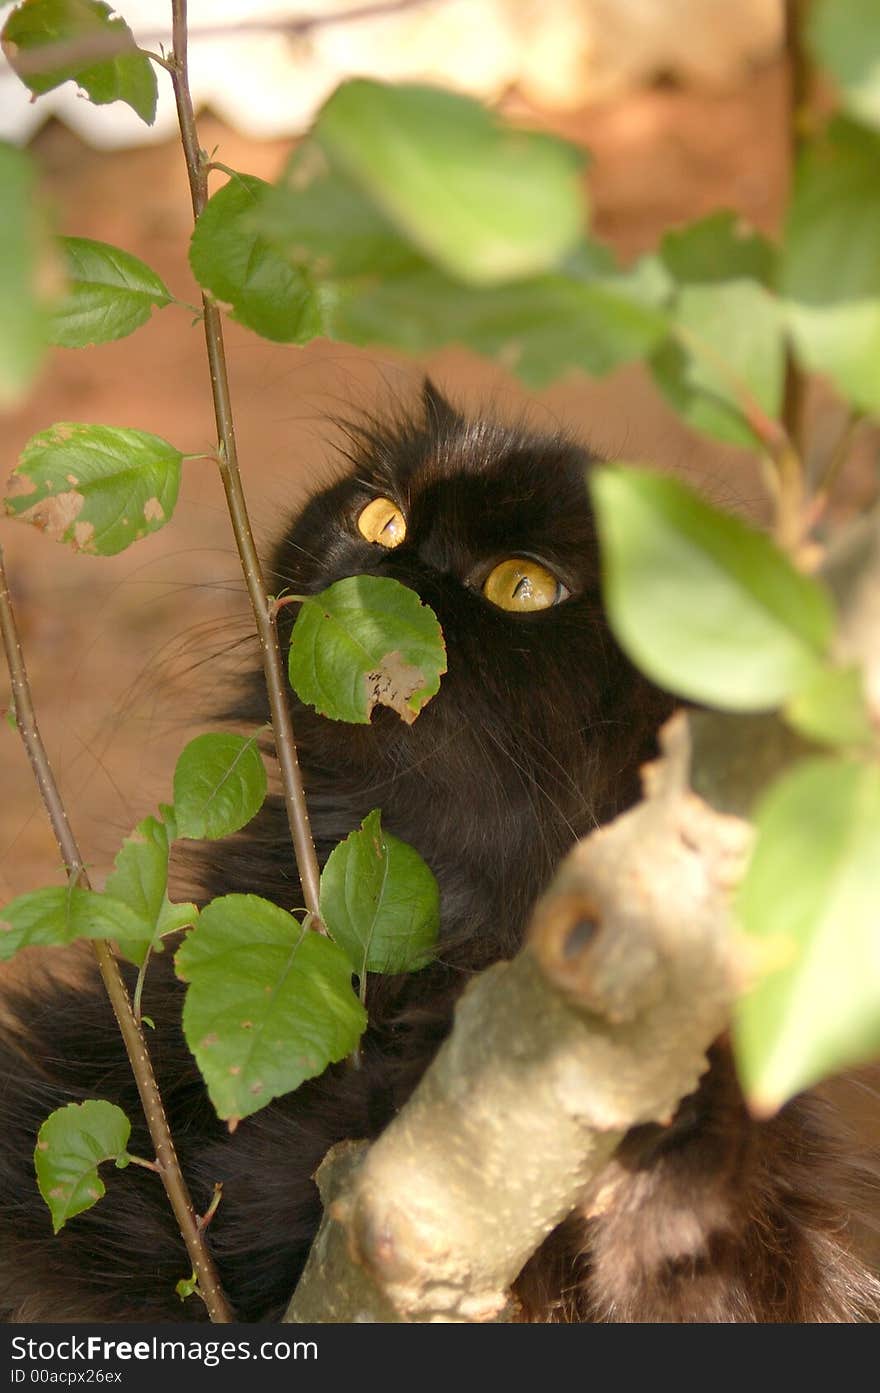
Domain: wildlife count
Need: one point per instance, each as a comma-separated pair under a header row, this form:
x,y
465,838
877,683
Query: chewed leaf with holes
x,y
110,293
219,785
380,901
99,488
140,881
60,914
71,1144
269,1002
125,75
364,642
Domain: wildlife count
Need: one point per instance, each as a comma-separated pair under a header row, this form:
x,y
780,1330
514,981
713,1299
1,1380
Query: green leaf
x,y
97,487
59,914
317,219
705,605
485,201
366,641
24,262
71,1144
187,1286
537,329
809,898
126,75
830,276
844,36
219,785
716,250
380,901
726,350
373,287
110,293
833,709
238,266
140,881
269,1002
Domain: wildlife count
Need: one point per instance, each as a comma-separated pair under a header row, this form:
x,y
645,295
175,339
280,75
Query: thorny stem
x,y
279,706
135,1044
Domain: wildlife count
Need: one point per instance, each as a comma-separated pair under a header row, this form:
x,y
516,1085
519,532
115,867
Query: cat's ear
x,y
439,413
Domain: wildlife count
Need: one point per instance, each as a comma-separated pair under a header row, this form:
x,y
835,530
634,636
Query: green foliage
x,y
140,881
809,899
830,270
832,709
369,285
59,914
483,201
23,315
269,1003
237,265
99,488
725,353
380,901
110,293
127,75
536,328
71,1144
366,641
705,605
845,38
219,785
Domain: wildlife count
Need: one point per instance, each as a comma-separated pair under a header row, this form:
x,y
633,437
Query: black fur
x,y
536,736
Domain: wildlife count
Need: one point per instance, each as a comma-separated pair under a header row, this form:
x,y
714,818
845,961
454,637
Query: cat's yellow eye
x,y
383,522
520,585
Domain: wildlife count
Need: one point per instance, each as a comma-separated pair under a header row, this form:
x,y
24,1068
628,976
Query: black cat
x,y
536,737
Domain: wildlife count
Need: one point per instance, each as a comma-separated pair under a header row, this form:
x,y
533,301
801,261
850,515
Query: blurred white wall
x,y
557,53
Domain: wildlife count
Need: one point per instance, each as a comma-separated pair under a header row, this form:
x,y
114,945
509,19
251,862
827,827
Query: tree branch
x,y
600,1023
160,1134
264,615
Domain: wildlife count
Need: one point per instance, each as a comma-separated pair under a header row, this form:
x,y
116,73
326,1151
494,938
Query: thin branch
x,y
785,476
799,91
104,45
135,1044
279,706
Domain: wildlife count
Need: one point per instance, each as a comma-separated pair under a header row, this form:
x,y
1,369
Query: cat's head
x,y
540,722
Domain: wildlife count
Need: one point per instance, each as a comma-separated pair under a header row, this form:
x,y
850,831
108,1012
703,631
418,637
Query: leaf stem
x,y
147,1165
279,706
135,1044
139,985
786,479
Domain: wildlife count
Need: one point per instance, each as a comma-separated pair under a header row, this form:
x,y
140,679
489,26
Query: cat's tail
x,y
723,1218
